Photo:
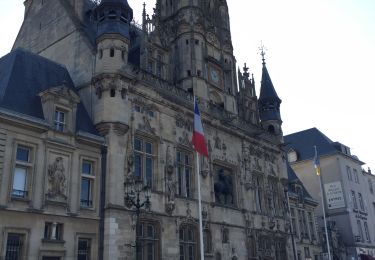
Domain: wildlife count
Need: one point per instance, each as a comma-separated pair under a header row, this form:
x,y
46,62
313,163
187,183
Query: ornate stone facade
x,y
139,95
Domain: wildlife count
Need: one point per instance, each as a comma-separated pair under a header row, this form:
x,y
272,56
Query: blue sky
x,y
320,55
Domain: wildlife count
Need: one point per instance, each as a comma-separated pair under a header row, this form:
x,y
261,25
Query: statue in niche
x,y
223,188
204,167
217,142
56,179
170,183
171,188
169,161
256,164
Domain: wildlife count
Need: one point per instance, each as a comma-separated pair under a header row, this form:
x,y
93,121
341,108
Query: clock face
x,y
215,76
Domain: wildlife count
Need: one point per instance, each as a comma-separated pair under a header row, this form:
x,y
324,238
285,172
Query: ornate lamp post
x,y
134,188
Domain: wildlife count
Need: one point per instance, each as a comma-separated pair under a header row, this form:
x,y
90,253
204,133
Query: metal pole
x,y
137,245
324,217
200,209
291,225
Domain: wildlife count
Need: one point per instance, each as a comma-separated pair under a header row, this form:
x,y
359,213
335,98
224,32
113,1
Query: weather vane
x,y
262,52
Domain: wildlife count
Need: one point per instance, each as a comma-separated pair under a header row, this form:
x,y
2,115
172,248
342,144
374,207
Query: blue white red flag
x,y
198,135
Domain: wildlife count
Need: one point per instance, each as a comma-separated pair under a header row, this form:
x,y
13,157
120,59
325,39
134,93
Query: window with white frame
x,y
184,174
21,172
144,160
87,184
84,249
59,120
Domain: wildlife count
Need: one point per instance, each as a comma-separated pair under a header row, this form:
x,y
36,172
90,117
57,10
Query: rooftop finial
x,y
246,71
262,50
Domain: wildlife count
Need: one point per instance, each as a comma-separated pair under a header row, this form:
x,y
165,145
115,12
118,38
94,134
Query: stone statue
x,y
223,188
57,179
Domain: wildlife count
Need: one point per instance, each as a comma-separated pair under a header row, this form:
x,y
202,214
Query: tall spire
x,y
269,102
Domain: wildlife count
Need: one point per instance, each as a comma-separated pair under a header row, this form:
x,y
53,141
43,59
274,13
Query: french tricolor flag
x,y
198,135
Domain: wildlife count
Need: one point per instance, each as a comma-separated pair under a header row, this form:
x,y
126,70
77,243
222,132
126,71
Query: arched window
x,y
188,242
271,129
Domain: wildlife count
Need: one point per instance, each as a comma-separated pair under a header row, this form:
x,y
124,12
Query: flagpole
x,y
318,171
200,208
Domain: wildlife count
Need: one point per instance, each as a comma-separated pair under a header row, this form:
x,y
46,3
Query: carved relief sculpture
x,y
57,180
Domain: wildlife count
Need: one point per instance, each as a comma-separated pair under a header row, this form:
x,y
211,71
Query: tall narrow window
x,y
368,238
311,225
361,204
273,198
258,193
355,206
360,231
143,160
294,221
184,174
21,171
207,241
349,173
159,66
356,178
84,249
371,188
149,236
14,247
87,184
188,243
59,120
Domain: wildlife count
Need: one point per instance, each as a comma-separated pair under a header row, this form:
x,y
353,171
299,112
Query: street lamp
x,y
134,187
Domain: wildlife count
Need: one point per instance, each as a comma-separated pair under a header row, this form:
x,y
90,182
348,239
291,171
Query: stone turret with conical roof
x,y
269,104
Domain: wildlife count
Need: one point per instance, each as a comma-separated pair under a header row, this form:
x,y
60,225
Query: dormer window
x,y
59,108
59,120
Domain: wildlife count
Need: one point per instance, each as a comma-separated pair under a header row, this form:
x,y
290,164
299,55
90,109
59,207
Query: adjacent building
x,y
91,102
306,235
348,192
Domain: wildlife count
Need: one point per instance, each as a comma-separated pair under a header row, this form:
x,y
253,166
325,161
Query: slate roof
x,y
269,101
267,90
293,178
303,143
23,75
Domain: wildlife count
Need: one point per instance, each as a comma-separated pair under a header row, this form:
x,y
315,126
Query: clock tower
x,y
198,38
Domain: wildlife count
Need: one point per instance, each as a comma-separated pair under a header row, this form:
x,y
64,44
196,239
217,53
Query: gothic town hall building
x,y
92,105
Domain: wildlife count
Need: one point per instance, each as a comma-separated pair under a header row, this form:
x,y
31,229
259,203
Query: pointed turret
x,y
269,103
